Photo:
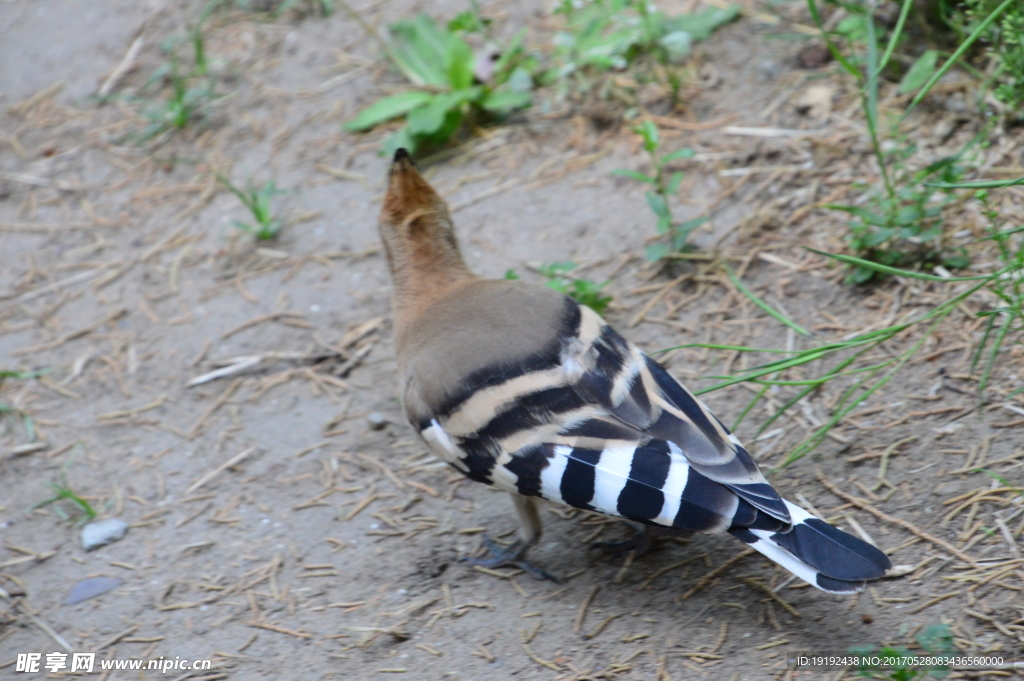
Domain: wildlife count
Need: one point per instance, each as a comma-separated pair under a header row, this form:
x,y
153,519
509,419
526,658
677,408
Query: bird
x,y
521,387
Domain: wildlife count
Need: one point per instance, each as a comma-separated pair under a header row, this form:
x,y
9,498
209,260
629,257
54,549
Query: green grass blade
x,y
21,375
885,269
784,408
983,343
980,184
718,346
811,388
812,5
626,172
762,372
855,394
850,401
955,57
1001,479
870,97
871,85
750,405
835,373
896,33
810,381
765,306
812,441
246,200
993,354
685,152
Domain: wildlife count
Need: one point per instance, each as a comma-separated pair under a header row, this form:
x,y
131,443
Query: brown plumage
x,y
419,239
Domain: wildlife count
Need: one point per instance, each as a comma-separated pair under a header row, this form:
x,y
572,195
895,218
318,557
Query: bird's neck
x,y
423,271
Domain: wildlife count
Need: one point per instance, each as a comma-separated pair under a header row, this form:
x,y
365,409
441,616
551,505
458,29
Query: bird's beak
x,y
407,192
402,162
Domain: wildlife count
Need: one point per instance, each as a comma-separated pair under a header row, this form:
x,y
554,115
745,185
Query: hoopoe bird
x,y
520,387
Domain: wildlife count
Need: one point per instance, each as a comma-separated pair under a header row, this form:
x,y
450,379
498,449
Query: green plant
x,y
1003,481
904,206
851,361
182,104
935,640
903,225
258,201
470,20
1004,40
664,184
198,41
742,288
61,492
905,228
611,34
277,8
855,363
18,375
440,66
584,291
186,93
1008,289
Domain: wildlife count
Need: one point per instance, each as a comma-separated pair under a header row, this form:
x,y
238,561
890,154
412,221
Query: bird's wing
x,y
638,391
576,415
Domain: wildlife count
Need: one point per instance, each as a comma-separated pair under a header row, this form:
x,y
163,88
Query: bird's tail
x,y
818,553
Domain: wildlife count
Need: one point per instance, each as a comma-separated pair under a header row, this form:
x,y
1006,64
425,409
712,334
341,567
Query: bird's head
x,y
414,216
419,239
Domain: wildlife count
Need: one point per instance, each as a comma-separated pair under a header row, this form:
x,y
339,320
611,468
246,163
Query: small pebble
x,y
103,532
91,588
813,56
768,68
376,420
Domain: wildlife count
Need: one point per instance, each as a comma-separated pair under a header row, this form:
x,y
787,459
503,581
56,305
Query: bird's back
x,y
482,334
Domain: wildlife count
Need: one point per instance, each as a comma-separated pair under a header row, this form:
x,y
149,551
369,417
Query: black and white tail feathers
x,y
818,553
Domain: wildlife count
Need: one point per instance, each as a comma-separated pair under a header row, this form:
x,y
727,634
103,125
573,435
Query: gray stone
x,y
376,420
91,588
103,532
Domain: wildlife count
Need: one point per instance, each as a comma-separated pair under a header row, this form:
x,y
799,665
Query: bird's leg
x,y
642,540
530,530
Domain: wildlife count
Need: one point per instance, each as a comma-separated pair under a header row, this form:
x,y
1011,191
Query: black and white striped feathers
x,y
520,387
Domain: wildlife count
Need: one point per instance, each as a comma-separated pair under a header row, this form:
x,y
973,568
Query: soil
x,y
286,523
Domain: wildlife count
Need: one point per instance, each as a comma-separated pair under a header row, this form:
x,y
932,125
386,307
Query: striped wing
x,y
603,427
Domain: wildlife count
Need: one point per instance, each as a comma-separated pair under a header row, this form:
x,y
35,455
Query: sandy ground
x,y
278,530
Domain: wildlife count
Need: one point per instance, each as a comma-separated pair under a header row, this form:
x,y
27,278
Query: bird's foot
x,y
642,541
510,556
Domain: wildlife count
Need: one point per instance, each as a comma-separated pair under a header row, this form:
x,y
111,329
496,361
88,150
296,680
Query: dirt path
x,y
284,521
